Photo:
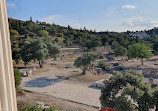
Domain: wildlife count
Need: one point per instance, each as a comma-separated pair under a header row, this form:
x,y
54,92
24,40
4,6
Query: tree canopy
x,y
40,50
14,33
85,60
122,86
139,51
120,51
16,52
83,37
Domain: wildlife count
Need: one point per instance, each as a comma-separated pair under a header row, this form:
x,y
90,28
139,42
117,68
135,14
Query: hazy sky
x,y
102,15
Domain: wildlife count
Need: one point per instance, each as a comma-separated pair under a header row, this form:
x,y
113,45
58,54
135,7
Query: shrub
x,y
119,68
36,108
60,35
52,108
43,33
57,40
102,65
31,108
18,79
14,33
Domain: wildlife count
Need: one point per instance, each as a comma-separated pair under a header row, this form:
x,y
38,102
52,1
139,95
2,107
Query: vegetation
x,y
132,85
16,53
102,65
13,33
114,45
155,46
39,45
155,98
39,49
120,51
43,33
18,79
139,51
85,60
36,108
83,37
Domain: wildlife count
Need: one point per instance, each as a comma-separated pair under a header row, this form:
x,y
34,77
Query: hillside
x,y
82,37
147,35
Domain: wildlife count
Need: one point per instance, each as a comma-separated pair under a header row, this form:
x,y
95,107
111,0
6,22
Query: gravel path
x,y
63,89
49,84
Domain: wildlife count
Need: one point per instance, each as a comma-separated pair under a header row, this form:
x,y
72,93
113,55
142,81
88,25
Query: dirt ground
x,y
30,98
54,91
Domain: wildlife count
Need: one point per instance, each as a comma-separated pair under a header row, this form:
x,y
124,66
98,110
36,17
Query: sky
x,y
101,15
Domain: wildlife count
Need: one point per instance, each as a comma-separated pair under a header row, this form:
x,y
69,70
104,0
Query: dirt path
x,y
47,83
30,98
64,89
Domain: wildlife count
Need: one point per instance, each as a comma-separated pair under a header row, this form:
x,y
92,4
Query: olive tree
x,y
155,98
114,45
121,86
16,53
139,51
34,49
120,51
54,50
43,33
14,33
85,60
39,49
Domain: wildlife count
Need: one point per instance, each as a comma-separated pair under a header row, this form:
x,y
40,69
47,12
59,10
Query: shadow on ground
x,y
44,81
94,87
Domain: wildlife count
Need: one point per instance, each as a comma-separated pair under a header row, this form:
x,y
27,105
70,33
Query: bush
x,y
17,77
52,109
43,33
57,40
101,56
36,108
119,68
14,33
102,65
31,108
60,35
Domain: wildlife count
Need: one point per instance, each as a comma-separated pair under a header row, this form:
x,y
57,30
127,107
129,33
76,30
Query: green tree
x,y
155,98
85,60
60,35
54,50
34,49
139,51
114,45
18,79
120,51
57,40
42,33
16,53
123,104
39,49
94,43
155,46
127,84
67,41
14,33
145,101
